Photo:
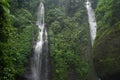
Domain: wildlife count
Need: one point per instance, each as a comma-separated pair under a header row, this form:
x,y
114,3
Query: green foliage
x,y
101,11
68,44
15,43
21,18
74,5
106,54
20,48
5,26
107,45
6,65
108,9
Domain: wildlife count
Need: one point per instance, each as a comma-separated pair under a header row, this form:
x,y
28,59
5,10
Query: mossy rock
x,y
106,55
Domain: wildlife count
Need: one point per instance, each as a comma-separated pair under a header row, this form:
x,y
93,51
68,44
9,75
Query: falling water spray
x,y
40,60
92,28
92,21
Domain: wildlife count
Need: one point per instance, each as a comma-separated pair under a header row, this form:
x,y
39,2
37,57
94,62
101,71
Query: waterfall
x,y
92,21
40,58
92,28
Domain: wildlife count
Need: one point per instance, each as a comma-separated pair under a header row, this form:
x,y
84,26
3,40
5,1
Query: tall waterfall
x,y
92,21
40,60
92,28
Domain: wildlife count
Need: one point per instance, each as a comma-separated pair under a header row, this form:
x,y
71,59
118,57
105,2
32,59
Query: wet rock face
x,y
106,54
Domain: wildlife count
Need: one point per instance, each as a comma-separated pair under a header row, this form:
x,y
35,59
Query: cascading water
x,y
40,59
92,28
92,21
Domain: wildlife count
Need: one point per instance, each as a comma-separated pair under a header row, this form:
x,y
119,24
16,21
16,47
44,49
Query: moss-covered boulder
x,y
106,55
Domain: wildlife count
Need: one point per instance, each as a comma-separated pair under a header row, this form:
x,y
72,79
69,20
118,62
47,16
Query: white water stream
x,y
40,59
92,28
92,21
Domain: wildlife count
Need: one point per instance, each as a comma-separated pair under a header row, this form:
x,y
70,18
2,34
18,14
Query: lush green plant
x,y
6,65
68,45
15,43
107,46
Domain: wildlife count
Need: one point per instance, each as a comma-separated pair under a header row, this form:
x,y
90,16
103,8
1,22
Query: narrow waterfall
x,y
92,28
92,21
40,59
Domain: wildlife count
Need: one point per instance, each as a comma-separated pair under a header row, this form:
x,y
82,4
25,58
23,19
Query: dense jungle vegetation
x,y
107,44
69,40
